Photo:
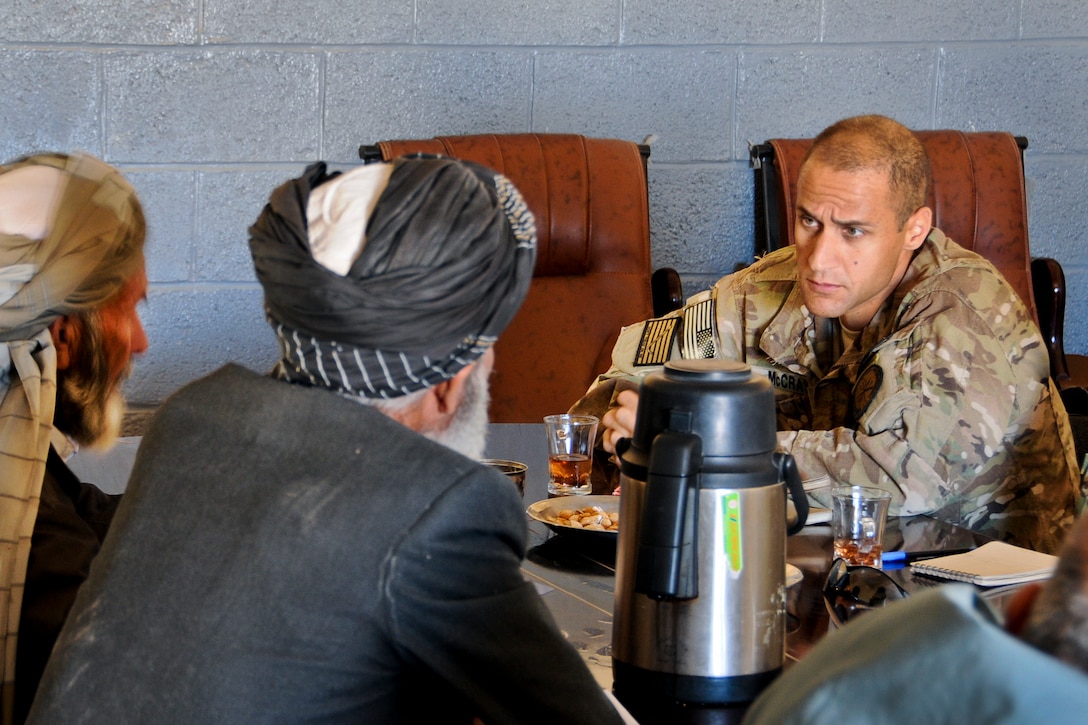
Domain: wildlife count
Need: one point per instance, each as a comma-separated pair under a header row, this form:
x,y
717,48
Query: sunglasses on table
x,y
853,590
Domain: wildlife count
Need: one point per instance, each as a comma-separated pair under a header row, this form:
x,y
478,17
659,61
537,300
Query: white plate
x,y
545,512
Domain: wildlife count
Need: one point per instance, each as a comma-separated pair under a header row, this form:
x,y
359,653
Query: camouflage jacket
x,y
944,399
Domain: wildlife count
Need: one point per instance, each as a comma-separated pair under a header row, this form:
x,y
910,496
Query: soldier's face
x,y
851,250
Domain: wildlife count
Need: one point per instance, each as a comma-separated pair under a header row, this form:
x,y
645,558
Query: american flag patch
x,y
655,345
698,340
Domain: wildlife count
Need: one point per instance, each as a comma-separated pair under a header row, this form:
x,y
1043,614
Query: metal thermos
x,y
700,602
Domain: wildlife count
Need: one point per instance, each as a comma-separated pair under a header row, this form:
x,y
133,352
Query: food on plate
x,y
593,518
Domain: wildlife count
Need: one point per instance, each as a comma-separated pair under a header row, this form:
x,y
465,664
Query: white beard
x,y
467,429
113,415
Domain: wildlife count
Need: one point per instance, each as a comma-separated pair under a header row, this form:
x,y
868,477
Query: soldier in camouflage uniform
x,y
898,358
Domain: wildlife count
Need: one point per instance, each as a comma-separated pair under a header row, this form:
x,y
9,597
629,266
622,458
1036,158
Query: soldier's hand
x,y
619,421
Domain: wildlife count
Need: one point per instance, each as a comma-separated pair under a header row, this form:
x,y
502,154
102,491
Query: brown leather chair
x,y
593,272
978,200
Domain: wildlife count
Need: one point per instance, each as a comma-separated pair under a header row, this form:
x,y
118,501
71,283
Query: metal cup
x,y
514,470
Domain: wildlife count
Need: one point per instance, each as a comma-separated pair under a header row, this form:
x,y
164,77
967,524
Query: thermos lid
x,y
731,409
709,370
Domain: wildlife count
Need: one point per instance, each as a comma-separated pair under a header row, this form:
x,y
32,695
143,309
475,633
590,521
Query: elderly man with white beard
x,y
71,274
320,544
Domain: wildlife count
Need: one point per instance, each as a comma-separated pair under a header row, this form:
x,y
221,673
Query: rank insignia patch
x,y
655,345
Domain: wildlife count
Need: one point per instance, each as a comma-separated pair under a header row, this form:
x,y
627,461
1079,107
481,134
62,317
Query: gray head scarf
x,y
449,254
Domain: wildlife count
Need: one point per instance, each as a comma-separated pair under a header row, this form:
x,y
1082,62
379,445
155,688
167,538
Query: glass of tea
x,y
858,515
570,453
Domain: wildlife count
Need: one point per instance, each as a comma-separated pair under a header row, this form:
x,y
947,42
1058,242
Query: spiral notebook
x,y
993,564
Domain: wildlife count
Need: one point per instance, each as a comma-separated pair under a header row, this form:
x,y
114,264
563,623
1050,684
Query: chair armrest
x,y
1048,283
667,291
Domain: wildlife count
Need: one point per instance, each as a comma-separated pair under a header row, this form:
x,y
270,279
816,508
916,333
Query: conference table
x,y
576,576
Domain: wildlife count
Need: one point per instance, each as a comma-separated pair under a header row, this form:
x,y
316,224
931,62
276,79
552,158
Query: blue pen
x,y
906,557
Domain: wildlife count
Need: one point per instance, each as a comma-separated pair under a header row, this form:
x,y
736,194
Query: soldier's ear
x,y
917,227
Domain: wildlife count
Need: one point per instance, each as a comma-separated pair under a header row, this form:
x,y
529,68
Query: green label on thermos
x,y
731,530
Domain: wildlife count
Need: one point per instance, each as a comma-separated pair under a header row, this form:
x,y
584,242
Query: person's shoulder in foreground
x,y
321,543
943,656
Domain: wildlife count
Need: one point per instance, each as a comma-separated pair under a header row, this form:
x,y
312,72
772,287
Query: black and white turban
x,y
442,259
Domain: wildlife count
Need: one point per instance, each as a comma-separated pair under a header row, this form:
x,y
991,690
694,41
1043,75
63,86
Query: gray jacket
x,y
285,555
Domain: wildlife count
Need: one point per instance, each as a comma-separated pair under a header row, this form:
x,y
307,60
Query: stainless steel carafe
x,y
700,602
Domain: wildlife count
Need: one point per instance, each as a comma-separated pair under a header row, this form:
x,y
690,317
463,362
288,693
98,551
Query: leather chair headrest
x,y
567,187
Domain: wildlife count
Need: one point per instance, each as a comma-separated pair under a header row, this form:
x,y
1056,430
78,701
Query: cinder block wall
x,y
208,104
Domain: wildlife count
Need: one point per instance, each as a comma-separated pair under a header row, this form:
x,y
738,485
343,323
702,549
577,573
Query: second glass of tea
x,y
570,453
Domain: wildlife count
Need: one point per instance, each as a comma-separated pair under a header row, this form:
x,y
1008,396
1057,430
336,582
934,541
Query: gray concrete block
x,y
214,102
318,22
192,331
1054,19
632,94
1032,90
720,21
701,217
496,22
375,96
874,21
219,106
51,102
144,22
230,201
797,93
695,283
1059,192
169,202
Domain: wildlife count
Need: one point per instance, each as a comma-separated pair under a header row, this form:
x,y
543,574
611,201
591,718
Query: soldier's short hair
x,y
878,143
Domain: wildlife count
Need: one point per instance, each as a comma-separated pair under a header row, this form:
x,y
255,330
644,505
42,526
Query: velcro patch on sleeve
x,y
655,345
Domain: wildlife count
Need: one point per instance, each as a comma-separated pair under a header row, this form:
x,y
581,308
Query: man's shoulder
x,y
235,404
767,280
941,255
941,649
228,378
233,390
942,265
231,376
239,420
779,264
